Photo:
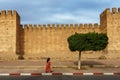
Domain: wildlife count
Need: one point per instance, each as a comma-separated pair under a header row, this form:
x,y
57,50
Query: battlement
x,y
89,26
35,41
115,10
112,11
8,14
60,26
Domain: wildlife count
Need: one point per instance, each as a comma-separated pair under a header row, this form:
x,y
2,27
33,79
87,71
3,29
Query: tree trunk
x,y
79,60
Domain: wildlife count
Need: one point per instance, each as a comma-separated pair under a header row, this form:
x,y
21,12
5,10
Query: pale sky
x,y
58,11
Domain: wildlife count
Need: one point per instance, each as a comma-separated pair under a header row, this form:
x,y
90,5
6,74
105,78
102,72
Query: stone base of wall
x,y
63,55
8,56
113,54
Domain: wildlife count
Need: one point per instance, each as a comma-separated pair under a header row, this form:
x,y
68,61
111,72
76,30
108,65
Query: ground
x,y
91,65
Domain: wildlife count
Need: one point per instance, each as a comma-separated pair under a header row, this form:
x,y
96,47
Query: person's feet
x,y
49,71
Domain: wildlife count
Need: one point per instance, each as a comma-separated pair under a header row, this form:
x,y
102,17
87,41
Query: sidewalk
x,y
60,66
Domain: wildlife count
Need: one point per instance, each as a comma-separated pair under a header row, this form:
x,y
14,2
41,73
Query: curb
x,y
44,74
106,66
31,67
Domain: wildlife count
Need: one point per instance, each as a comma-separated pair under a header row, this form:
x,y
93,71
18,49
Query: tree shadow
x,y
89,63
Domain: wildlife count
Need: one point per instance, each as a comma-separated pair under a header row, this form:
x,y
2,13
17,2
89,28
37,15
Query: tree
x,y
86,42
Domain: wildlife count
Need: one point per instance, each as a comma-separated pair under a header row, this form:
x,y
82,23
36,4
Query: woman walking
x,y
48,66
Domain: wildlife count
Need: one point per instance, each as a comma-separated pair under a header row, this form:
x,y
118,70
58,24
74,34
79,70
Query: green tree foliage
x,y
87,42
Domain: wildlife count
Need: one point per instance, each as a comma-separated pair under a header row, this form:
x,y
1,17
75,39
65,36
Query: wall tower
x,y
9,34
110,24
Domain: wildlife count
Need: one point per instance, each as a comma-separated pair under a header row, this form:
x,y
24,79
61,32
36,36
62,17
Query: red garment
x,y
48,68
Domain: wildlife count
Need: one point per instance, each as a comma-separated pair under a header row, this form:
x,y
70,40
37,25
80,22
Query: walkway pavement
x,y
69,66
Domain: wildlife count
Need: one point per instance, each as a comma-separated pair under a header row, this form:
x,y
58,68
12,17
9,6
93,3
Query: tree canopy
x,y
86,42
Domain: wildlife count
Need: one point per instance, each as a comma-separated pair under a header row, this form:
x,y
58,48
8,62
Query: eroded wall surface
x,y
50,40
41,41
8,28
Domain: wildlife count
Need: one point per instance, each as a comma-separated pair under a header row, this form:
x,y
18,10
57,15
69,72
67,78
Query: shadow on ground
x,y
89,63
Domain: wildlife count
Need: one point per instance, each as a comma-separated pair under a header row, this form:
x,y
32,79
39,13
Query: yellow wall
x,y
50,40
8,32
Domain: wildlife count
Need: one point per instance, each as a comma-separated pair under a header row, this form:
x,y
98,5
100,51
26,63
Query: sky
x,y
59,11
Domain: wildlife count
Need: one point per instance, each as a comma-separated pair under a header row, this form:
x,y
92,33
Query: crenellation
x,y
57,26
51,39
39,27
71,26
91,29
107,10
30,27
85,26
3,12
90,26
25,27
66,26
76,26
9,12
48,26
15,12
114,10
119,10
53,26
62,26
44,27
35,27
81,26
96,25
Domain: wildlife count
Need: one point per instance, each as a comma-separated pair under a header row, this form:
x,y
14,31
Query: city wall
x,y
51,40
35,42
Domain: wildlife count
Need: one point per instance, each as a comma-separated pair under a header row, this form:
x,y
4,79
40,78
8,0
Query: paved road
x,y
60,78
